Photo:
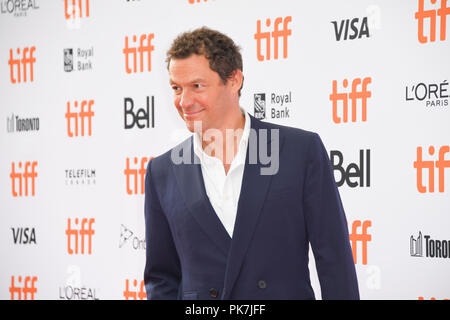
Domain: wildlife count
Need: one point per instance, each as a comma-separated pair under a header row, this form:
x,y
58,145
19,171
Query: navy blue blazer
x,y
190,255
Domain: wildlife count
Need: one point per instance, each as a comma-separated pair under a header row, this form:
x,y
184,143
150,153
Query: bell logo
x,y
143,47
363,237
16,290
135,172
140,118
75,233
14,64
354,95
134,294
29,173
441,164
276,33
353,170
80,8
423,14
72,118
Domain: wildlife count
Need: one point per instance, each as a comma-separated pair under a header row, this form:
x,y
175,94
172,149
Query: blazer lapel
x,y
253,192
190,181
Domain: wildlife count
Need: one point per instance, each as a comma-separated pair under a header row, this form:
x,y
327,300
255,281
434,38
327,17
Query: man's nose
x,y
186,99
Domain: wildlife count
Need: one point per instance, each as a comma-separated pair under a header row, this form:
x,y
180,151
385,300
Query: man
x,y
224,220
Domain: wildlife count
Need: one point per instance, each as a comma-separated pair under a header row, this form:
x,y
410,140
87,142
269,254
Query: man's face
x,y
199,93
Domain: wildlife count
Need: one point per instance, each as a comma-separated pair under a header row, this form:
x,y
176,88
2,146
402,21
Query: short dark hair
x,y
220,50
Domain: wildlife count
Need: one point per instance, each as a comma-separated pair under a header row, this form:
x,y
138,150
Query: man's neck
x,y
226,145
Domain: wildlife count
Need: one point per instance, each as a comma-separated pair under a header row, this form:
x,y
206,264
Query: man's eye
x,y
198,86
175,88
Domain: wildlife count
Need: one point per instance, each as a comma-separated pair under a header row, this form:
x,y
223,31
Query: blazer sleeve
x,y
327,227
162,274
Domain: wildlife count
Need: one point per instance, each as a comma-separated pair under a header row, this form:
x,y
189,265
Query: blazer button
x,y
262,284
213,292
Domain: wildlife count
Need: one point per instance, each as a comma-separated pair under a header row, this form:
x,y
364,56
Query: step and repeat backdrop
x,y
86,103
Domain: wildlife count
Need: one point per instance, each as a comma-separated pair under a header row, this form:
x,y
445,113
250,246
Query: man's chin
x,y
194,125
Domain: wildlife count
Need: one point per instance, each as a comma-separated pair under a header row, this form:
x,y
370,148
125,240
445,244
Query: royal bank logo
x,y
68,60
433,248
78,59
279,105
260,105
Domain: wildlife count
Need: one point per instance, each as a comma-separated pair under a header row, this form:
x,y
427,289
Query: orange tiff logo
x,y
135,173
363,94
145,45
71,10
77,232
18,177
18,289
275,34
362,237
432,14
134,293
441,164
194,1
73,116
432,298
15,63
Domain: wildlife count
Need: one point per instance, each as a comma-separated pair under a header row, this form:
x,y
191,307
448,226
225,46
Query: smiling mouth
x,y
192,114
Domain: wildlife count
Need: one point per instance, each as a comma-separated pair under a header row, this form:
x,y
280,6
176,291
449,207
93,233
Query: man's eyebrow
x,y
191,81
197,80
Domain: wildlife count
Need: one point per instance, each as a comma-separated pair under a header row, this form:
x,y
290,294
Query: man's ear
x,y
236,79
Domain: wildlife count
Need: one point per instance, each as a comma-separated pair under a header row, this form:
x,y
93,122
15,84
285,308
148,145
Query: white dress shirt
x,y
222,189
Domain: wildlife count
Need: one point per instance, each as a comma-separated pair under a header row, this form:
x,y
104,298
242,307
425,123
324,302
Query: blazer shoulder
x,y
302,135
160,164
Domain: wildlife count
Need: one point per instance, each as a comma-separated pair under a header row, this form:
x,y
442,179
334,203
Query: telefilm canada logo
x,y
433,248
279,105
80,177
78,59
